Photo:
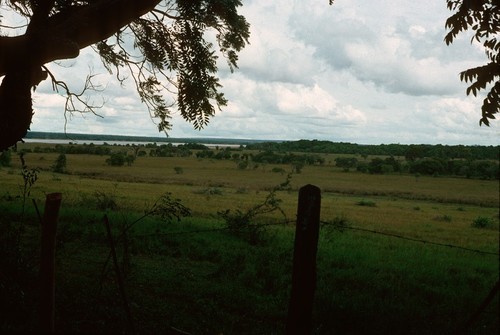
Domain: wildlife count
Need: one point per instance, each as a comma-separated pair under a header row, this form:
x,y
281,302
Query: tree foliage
x,y
483,18
168,47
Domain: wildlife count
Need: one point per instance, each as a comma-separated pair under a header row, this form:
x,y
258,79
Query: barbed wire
x,y
339,227
413,239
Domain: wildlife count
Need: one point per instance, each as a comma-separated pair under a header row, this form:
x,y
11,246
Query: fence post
x,y
299,321
47,262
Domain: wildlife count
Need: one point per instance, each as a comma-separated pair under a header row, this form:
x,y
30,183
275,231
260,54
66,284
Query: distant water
x,y
121,143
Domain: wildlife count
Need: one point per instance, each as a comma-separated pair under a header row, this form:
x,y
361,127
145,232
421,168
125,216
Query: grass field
x,y
213,281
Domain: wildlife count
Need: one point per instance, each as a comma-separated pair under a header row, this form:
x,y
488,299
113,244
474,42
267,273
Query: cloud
x,y
357,71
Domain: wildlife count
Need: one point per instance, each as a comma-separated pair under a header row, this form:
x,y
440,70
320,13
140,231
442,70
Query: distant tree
x,y
346,162
60,164
129,159
393,163
484,169
428,166
376,165
116,159
483,17
164,45
242,165
414,152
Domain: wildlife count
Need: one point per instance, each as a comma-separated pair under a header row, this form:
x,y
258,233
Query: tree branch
x,y
65,33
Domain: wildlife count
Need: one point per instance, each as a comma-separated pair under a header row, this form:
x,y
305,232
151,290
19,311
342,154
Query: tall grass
x,y
195,275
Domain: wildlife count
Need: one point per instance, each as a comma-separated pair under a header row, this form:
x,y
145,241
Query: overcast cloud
x,y
358,71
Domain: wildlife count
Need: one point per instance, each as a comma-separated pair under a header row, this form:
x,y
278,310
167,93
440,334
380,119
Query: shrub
x,y
119,159
105,201
346,163
178,170
242,165
367,203
482,222
339,223
60,164
116,159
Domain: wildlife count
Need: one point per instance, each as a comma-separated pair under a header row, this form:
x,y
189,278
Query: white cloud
x,y
358,71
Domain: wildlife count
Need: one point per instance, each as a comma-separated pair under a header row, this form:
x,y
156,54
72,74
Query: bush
x,y
242,165
178,170
346,163
428,167
339,223
119,159
60,164
482,222
116,159
105,201
367,203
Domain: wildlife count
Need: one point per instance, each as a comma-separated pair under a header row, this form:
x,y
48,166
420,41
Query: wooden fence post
x,y
299,321
47,262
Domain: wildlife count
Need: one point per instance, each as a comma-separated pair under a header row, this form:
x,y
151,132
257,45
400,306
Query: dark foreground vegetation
x,y
398,253
198,276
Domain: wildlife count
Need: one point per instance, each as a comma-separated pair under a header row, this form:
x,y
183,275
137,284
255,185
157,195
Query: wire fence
x,y
125,233
324,223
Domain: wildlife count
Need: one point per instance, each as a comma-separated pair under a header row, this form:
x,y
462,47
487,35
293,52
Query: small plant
x,y
339,223
178,170
241,224
482,222
367,203
105,201
30,176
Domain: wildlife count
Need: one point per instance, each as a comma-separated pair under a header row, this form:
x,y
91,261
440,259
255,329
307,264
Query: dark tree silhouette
x,y
483,17
161,44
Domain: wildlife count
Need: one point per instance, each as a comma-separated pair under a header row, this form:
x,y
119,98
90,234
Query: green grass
x,y
197,276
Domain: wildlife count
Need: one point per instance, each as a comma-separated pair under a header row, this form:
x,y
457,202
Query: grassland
x,y
214,282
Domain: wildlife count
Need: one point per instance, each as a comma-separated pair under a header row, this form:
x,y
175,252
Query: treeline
x,y
265,157
410,152
89,149
169,150
484,169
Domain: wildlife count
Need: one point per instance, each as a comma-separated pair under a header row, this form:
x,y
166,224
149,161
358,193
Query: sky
x,y
367,72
